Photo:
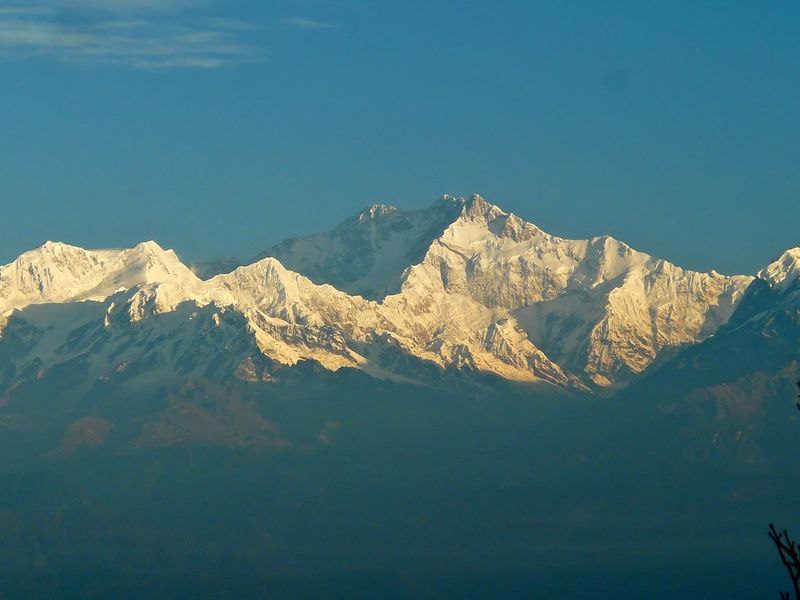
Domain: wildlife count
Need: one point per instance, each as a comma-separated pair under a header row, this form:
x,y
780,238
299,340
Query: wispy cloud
x,y
111,6
16,11
123,32
301,23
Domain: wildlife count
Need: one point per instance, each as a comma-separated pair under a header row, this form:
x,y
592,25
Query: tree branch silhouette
x,y
788,551
790,557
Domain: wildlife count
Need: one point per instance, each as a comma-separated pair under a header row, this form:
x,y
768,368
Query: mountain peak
x,y
450,199
477,206
477,210
375,211
783,272
149,245
474,207
51,247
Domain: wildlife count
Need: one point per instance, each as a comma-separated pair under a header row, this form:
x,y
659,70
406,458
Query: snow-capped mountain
x,y
596,307
57,272
397,294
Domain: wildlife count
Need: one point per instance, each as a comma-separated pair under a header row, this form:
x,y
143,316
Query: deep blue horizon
x,y
218,129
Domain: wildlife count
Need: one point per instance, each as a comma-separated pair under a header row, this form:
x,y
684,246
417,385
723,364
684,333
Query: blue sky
x,y
218,128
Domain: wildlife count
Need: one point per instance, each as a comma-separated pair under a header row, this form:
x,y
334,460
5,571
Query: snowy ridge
x,y
295,319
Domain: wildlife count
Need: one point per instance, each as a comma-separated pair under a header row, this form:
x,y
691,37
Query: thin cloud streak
x,y
17,11
123,6
301,23
141,42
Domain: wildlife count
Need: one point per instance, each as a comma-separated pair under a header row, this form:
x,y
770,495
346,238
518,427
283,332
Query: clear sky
x,y
218,128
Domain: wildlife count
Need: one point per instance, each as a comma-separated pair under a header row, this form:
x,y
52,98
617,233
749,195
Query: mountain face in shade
x,y
402,295
368,254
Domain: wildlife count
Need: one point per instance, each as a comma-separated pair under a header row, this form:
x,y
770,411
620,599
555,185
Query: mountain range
x,y
400,295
